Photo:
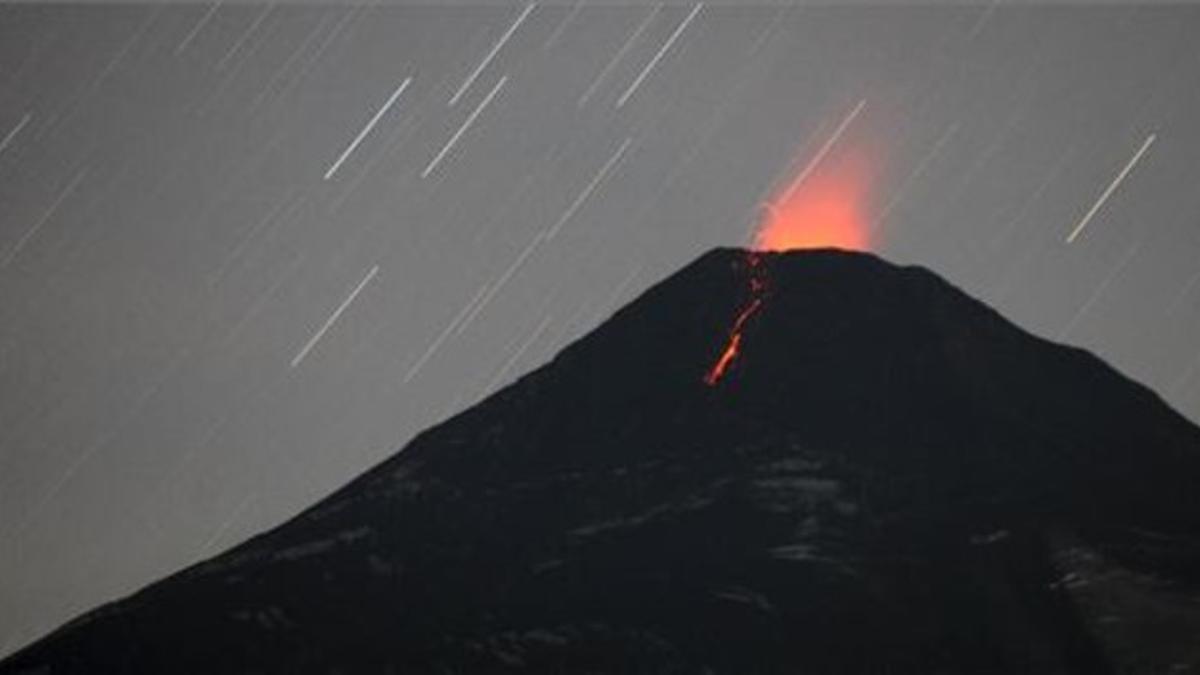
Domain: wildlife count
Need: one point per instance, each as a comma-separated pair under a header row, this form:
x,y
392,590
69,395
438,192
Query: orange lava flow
x,y
714,374
758,287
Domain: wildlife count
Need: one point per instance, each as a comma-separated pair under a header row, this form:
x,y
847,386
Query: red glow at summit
x,y
827,205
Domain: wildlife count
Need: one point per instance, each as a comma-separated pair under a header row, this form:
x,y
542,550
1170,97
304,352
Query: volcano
x,y
888,476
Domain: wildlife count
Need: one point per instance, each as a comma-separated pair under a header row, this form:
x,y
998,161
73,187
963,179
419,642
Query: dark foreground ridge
x,y
889,477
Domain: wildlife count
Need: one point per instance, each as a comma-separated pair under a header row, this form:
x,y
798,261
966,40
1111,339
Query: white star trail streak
x,y
461,130
512,269
49,213
433,347
514,198
474,306
260,302
769,30
562,25
537,332
1028,203
657,57
120,55
1100,289
277,214
337,164
812,163
565,327
198,27
491,54
391,141
282,72
982,20
330,38
8,138
224,527
103,439
620,53
610,304
230,76
312,342
1087,218
913,175
587,191
237,46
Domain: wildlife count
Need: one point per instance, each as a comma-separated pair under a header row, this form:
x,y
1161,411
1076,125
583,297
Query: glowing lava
x,y
824,207
735,342
758,288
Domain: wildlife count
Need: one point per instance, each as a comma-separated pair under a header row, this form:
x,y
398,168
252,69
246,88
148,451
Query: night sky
x,y
247,251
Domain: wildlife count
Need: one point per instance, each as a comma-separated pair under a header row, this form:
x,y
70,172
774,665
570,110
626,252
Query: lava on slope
x,y
758,289
824,207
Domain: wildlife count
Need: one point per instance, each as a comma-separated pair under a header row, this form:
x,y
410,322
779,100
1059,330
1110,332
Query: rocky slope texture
x,y
887,476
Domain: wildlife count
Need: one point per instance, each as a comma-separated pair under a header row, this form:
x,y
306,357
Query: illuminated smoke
x,y
825,207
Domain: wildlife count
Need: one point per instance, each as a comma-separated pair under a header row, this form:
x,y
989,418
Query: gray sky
x,y
247,251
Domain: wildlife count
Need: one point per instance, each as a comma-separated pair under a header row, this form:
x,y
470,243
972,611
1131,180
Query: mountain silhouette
x,y
886,477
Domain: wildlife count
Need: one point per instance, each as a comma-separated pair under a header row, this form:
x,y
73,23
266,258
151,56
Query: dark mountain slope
x,y
890,477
